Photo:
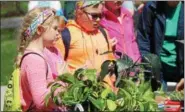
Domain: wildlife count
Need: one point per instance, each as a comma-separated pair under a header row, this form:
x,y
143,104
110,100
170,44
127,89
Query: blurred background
x,y
11,15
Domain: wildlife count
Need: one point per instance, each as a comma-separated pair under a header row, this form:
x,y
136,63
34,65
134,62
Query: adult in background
x,y
118,21
51,4
160,25
83,42
69,9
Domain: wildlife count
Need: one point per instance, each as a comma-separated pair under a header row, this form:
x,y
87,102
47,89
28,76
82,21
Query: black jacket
x,y
151,30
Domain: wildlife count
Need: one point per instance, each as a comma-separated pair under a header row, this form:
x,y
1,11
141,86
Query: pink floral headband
x,y
40,19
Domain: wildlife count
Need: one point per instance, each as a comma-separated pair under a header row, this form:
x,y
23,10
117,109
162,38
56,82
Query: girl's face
x,y
51,35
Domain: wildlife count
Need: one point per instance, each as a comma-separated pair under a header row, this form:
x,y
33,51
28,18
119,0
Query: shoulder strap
x,y
38,55
66,37
105,35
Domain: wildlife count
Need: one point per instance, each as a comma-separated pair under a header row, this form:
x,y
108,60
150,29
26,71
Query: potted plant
x,y
87,92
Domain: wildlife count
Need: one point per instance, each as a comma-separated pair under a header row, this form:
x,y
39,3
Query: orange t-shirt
x,y
85,48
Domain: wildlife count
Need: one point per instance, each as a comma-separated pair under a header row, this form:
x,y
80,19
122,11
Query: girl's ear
x,y
40,30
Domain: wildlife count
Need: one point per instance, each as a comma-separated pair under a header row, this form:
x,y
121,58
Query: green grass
x,y
8,53
9,9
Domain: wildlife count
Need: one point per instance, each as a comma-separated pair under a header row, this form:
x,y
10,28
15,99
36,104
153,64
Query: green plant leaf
x,y
98,103
124,63
120,102
111,105
177,95
76,93
47,98
105,93
155,64
91,74
78,73
67,77
104,69
95,94
141,107
112,96
54,87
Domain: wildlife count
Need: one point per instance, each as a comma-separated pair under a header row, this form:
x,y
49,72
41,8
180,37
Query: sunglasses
x,y
95,16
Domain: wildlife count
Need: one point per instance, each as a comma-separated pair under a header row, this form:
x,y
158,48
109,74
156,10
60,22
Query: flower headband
x,y
40,19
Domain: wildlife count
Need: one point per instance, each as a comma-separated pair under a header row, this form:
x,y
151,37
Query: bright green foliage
x,y
83,88
8,53
135,94
111,105
135,98
177,95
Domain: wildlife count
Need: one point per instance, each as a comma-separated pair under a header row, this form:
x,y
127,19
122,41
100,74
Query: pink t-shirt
x,y
124,33
53,58
33,83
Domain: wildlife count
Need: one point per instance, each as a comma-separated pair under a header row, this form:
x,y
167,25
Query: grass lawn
x,y
16,8
8,53
13,8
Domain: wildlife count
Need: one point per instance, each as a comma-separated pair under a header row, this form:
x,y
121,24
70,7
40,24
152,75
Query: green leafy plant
x,y
83,87
135,98
177,95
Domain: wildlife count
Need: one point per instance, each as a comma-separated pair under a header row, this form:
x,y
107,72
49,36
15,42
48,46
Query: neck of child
x,y
36,45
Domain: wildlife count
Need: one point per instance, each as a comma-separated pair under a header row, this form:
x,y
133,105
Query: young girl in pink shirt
x,y
38,34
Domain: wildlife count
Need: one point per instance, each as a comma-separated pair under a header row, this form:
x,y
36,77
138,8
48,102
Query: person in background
x,y
86,42
180,85
118,21
129,5
69,9
162,23
51,4
135,8
39,30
